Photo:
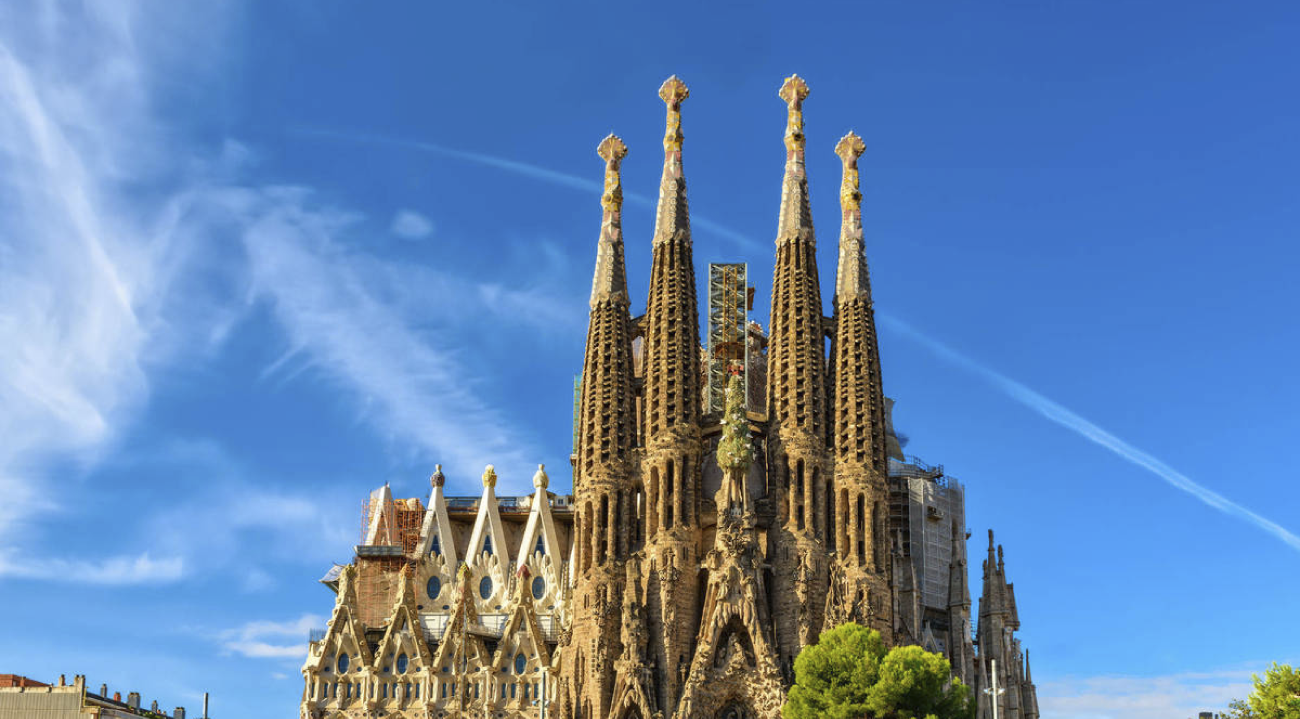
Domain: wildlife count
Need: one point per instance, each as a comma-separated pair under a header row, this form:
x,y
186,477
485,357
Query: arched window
x,y
487,543
434,587
343,664
540,548
670,495
435,544
521,663
485,587
402,663
539,587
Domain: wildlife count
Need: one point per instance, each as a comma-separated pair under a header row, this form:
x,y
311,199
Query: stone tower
x,y
605,470
1001,658
670,468
860,536
797,399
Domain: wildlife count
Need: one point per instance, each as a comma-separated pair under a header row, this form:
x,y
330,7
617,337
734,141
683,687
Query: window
x,y
541,546
521,663
435,545
485,587
487,543
402,662
539,587
343,664
384,692
433,588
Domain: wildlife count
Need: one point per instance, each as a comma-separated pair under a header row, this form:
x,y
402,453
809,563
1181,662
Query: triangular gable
x,y
343,631
404,634
463,616
436,529
523,617
381,529
487,525
540,523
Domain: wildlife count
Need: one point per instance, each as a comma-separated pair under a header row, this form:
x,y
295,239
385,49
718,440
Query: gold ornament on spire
x,y
794,91
850,148
490,476
672,92
612,150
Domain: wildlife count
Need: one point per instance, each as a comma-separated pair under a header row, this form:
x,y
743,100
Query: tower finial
x,y
612,150
610,280
794,91
672,218
672,92
851,274
850,148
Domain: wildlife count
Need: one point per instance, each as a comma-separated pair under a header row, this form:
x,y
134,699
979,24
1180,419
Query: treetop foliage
x,y
849,674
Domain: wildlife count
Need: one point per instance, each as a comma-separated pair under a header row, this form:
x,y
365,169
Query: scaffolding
x,y
577,408
391,523
728,348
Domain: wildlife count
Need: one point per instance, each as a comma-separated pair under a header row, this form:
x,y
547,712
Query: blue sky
x,y
257,259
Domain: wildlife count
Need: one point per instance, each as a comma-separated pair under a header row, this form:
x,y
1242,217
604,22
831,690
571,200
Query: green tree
x,y
1276,696
848,674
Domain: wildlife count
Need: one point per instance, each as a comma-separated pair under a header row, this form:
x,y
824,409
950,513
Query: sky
x,y
257,259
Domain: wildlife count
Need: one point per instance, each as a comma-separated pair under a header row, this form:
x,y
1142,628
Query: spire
x,y
852,278
672,344
610,281
1029,676
958,591
672,219
796,214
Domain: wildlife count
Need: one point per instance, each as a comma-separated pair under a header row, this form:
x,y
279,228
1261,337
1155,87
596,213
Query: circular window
x,y
485,587
343,664
521,662
402,662
539,587
434,587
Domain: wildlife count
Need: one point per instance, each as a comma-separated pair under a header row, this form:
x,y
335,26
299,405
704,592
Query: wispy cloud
x,y
74,310
271,640
1086,429
411,225
120,570
341,317
1175,696
560,179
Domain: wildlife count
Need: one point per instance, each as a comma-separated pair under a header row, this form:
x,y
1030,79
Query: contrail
x,y
525,169
1068,419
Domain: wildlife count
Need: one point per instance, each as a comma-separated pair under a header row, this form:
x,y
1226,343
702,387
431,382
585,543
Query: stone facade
x,y
700,552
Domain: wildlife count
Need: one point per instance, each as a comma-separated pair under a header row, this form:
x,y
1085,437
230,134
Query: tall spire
x,y
796,213
852,278
861,432
797,398
670,463
672,220
611,273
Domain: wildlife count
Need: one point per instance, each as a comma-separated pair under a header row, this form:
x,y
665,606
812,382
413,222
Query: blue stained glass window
x,y
434,587
521,662
539,587
487,543
402,662
541,546
485,587
343,664
435,545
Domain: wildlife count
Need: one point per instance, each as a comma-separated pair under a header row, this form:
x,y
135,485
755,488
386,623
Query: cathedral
x,y
730,502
